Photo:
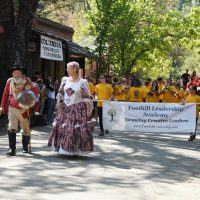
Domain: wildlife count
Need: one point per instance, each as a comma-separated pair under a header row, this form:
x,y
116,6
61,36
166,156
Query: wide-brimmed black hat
x,y
17,67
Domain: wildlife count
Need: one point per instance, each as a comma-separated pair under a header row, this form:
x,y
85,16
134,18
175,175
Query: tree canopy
x,y
146,37
140,37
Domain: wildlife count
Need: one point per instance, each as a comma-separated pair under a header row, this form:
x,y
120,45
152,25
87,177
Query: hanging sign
x,y
51,49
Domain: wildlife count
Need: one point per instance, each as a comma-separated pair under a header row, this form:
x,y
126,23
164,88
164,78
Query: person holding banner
x,y
194,97
103,91
72,127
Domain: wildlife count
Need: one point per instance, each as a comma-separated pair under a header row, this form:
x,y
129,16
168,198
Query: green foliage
x,y
191,62
149,38
70,13
140,38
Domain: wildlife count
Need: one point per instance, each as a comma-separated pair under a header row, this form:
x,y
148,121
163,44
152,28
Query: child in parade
x,y
169,92
193,97
119,91
137,93
152,95
179,94
103,91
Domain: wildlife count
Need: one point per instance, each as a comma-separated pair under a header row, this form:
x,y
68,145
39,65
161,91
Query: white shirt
x,y
73,91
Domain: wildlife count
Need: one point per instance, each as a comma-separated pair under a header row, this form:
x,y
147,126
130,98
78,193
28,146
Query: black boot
x,y
12,143
192,138
25,143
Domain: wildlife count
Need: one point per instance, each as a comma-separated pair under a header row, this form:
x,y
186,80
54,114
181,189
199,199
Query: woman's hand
x,y
89,109
58,106
183,102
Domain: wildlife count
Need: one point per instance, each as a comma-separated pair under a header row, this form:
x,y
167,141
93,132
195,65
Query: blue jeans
x,y
51,109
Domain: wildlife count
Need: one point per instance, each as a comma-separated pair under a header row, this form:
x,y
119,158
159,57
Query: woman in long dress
x,y
72,127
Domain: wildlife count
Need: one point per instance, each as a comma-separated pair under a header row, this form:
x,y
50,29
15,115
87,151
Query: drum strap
x,y
11,92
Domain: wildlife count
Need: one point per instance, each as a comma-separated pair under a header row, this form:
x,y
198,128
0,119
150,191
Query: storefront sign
x,y
51,49
149,117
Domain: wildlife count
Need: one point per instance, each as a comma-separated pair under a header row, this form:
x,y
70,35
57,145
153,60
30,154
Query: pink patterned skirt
x,y
72,130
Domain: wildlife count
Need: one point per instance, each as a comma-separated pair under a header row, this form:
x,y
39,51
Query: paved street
x,y
124,166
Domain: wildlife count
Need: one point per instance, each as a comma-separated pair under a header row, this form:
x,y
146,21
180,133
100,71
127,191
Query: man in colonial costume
x,y
16,115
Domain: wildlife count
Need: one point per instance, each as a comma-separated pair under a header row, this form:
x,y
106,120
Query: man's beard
x,y
18,80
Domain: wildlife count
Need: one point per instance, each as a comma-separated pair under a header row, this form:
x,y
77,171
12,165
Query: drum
x,y
26,99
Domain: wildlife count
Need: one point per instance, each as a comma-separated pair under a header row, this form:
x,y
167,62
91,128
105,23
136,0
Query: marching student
x,y
169,92
193,97
119,90
137,93
152,95
91,85
147,86
103,91
179,94
160,87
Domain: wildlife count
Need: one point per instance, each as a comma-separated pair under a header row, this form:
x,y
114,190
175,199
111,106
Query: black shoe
x,y
25,151
25,143
106,131
101,134
191,138
194,136
11,153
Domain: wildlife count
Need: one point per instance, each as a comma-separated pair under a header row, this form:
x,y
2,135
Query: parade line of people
x,y
157,91
78,100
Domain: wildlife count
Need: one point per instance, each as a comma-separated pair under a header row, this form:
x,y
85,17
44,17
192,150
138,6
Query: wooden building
x,y
51,46
56,41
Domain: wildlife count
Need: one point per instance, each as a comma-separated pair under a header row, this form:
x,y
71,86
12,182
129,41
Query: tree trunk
x,y
6,23
22,30
17,29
